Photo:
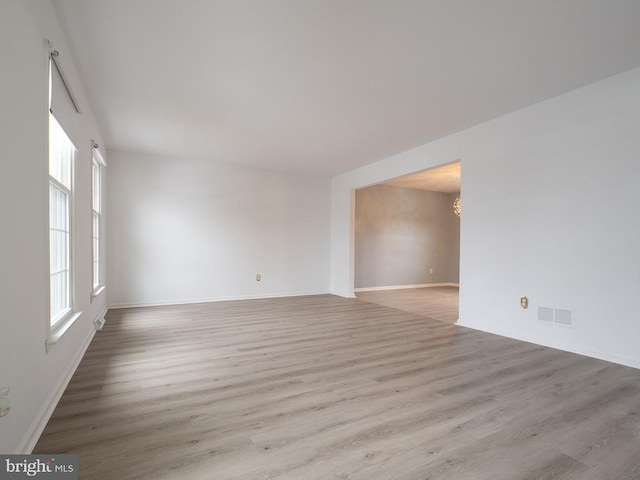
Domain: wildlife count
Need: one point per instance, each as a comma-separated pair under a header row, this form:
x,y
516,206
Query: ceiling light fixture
x,y
457,206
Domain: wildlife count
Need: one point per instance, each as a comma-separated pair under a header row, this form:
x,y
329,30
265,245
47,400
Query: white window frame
x,y
97,200
56,188
60,321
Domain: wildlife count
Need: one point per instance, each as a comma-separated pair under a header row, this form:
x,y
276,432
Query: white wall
x,y
549,194
36,377
186,230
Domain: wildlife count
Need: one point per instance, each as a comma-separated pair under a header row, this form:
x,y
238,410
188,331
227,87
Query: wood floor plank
x,y
325,387
440,303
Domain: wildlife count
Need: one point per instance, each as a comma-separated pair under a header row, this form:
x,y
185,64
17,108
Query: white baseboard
x,y
402,287
29,441
161,303
587,352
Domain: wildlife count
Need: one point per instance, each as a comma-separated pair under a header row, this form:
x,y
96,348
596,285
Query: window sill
x,y
97,291
60,328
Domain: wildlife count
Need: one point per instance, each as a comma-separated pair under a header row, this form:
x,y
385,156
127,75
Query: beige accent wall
x,y
405,236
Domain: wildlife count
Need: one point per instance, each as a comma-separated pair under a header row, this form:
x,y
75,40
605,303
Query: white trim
x,y
402,287
353,295
29,441
60,328
634,363
161,303
97,291
97,154
97,166
102,314
61,319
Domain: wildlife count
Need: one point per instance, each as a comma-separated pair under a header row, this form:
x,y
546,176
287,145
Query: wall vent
x,y
545,314
563,317
558,316
98,323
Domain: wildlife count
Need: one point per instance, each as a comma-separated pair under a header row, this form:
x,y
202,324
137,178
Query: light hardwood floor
x,y
323,387
440,303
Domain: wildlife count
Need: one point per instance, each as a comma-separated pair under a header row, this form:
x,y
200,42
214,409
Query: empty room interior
x,y
320,239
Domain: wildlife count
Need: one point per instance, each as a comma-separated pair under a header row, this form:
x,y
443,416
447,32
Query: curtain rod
x,y
53,54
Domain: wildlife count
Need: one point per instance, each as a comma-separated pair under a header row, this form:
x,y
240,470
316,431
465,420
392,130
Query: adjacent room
x,y
407,243
320,239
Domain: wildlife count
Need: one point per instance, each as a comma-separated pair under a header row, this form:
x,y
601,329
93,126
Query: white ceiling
x,y
324,86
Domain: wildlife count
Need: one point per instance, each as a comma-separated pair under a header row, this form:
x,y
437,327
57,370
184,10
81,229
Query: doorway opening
x,y
407,242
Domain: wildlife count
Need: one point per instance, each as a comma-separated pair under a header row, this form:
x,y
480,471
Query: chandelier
x,y
457,206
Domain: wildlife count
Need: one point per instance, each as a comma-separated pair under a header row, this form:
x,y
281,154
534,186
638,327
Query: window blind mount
x,y
97,154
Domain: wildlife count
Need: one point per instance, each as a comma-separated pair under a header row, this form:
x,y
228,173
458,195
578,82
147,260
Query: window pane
x,y
96,250
55,239
59,250
60,298
96,186
96,225
96,201
54,307
58,208
61,163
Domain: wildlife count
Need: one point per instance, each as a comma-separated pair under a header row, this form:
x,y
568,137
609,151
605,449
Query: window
x,y
64,125
62,154
96,189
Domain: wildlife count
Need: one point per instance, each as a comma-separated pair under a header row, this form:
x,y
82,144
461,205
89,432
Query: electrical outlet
x,y
431,271
258,277
524,302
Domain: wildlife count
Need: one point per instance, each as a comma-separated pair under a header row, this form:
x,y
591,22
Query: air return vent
x,y
563,317
98,323
558,316
545,314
